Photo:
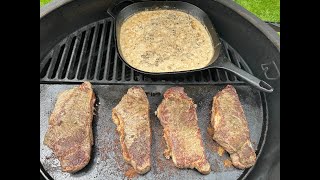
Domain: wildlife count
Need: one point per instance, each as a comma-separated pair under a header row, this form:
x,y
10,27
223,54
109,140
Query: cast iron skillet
x,y
126,8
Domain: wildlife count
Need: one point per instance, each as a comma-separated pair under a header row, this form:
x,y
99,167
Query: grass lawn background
x,y
267,10
43,2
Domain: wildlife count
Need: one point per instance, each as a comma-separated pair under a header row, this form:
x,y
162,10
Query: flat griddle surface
x,y
106,160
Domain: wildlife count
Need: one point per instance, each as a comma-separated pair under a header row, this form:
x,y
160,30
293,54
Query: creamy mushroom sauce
x,y
165,41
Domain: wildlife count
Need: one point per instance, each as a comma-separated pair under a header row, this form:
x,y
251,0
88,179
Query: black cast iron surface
x,y
106,160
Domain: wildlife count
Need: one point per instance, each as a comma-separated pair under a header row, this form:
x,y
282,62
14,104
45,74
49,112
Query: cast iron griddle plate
x,y
106,160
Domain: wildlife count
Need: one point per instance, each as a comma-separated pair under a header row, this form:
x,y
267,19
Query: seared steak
x,y
177,114
231,128
131,116
70,127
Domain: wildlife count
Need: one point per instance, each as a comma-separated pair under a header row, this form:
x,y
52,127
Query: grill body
x,y
77,44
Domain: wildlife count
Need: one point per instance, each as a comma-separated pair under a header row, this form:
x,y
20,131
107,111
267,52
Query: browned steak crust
x,y
231,128
70,127
131,116
177,114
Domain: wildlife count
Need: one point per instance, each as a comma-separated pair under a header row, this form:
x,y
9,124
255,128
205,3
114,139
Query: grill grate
x,y
90,54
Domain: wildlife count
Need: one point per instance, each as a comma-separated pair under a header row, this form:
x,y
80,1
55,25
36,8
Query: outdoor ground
x,y
267,10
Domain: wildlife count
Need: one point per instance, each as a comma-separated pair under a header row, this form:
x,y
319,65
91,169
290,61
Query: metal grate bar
x,y
45,65
85,44
201,79
53,62
131,75
217,74
100,52
123,74
107,65
230,76
63,58
73,57
93,45
210,75
115,60
234,60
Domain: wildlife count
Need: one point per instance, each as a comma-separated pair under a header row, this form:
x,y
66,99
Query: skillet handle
x,y
117,6
252,80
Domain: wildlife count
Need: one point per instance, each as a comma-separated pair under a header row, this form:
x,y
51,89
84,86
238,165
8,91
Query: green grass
x,y
267,10
43,2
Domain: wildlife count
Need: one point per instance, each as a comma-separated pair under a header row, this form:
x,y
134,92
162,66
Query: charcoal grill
x,y
77,44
